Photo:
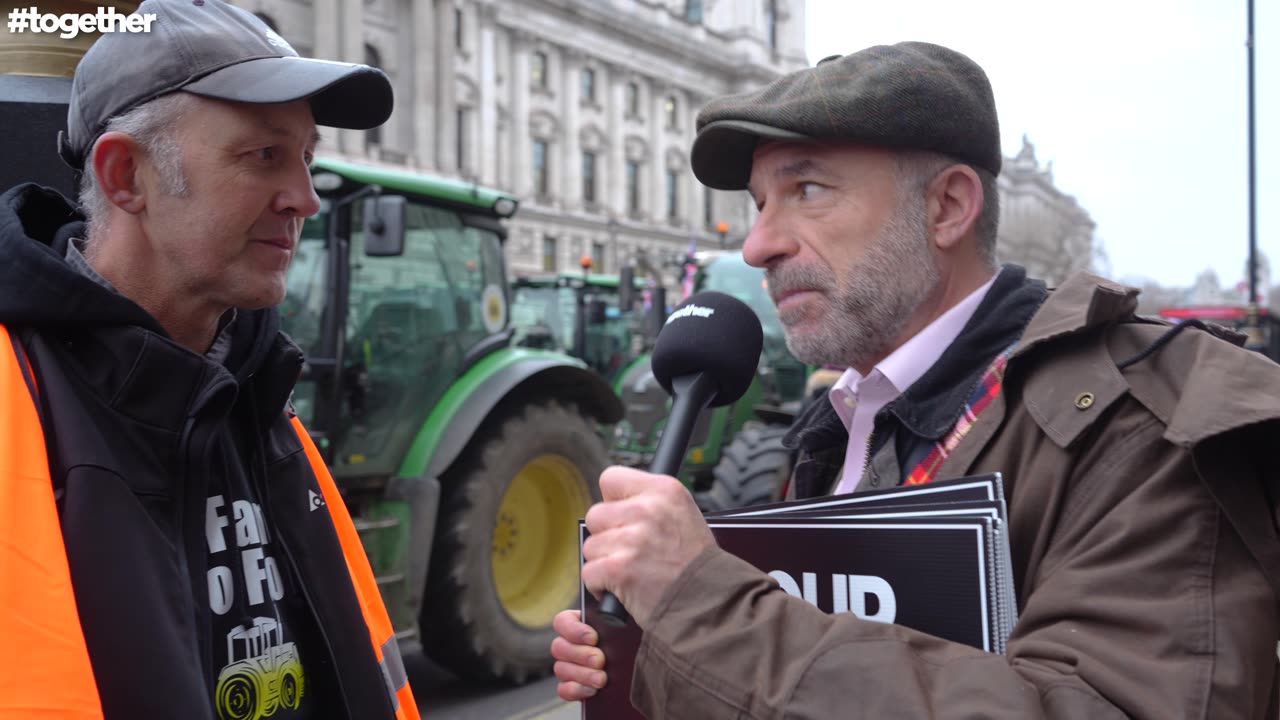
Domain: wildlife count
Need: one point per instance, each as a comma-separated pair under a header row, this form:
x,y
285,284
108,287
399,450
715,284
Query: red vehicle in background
x,y
1262,336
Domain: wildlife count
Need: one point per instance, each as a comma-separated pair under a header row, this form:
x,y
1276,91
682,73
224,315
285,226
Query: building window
x,y
671,108
633,99
708,207
372,58
588,176
458,29
673,195
549,254
541,175
588,84
771,22
538,69
633,187
598,257
464,115
693,11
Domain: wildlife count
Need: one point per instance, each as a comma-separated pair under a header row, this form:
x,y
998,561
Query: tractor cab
x,y
587,315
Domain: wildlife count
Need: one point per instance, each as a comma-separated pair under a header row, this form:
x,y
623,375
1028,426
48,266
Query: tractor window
x,y
410,321
304,304
731,275
543,317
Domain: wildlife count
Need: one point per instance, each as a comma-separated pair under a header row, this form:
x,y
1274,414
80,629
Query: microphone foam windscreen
x,y
714,333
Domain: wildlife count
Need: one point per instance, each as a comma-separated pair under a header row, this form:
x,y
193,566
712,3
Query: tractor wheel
x,y
506,557
751,472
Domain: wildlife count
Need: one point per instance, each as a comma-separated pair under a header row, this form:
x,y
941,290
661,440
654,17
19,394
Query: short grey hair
x,y
917,168
152,125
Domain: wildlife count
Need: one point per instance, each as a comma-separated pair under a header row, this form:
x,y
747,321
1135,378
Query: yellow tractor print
x,y
263,674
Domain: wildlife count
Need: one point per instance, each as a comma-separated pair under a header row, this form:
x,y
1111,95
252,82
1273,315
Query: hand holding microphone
x,y
705,356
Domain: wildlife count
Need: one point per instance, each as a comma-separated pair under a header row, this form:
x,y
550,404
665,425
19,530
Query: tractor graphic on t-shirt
x,y
263,673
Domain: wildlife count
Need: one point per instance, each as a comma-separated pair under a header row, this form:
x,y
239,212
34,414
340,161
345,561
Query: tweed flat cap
x,y
912,96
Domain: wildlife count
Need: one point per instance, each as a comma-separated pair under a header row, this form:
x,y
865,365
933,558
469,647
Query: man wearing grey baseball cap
x,y
170,544
1135,457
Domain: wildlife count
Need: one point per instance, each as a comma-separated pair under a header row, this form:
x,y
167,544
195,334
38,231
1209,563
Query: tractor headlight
x,y
504,206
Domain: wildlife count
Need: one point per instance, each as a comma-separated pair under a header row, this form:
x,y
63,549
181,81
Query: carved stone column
x,y
352,14
658,153
521,148
423,70
446,90
571,183
615,193
486,148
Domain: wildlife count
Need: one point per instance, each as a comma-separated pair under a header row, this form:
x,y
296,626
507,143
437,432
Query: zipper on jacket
x,y
259,472
190,506
866,459
866,465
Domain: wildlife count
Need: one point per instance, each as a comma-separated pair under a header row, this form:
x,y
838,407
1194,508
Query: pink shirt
x,y
857,399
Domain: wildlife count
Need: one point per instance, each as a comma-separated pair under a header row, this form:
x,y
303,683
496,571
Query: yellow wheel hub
x,y
535,540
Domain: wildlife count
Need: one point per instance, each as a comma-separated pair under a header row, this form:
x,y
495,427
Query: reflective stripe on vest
x,y
44,663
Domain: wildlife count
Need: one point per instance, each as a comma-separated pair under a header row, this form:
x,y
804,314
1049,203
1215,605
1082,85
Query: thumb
x,y
619,482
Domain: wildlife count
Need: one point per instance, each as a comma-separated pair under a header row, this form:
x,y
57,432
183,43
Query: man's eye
x,y
809,190
267,154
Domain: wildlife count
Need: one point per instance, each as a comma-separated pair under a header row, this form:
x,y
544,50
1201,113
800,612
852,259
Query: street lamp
x,y
722,227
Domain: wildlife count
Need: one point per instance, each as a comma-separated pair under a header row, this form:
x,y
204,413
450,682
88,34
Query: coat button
x,y
1084,400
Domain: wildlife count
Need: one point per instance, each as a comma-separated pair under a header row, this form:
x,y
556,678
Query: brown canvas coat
x,y
1143,539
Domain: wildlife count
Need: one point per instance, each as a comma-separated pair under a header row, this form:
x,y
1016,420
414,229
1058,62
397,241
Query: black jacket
x,y
139,429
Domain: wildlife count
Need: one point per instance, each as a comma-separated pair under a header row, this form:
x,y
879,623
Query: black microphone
x,y
705,356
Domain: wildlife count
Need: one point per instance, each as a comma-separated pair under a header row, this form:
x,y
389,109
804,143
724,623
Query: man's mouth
x,y
282,242
787,298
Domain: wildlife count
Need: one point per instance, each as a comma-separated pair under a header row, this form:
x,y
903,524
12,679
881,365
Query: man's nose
x,y
298,197
768,241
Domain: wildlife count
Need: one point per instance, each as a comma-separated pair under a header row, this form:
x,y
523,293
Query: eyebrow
x,y
316,137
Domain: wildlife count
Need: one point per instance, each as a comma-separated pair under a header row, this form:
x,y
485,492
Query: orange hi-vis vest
x,y
44,662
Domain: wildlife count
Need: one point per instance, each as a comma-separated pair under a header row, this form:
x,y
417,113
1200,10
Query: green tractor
x,y
466,461
591,316
735,457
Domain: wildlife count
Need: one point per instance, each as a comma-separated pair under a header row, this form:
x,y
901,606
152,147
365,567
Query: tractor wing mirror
x,y
597,312
626,287
384,221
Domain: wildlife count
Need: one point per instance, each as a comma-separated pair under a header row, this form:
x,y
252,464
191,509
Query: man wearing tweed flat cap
x,y
1134,455
171,545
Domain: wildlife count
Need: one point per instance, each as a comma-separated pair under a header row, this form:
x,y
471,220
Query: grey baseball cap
x,y
210,48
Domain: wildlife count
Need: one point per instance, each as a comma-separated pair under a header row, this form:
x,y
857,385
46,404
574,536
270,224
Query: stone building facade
x,y
1041,227
582,108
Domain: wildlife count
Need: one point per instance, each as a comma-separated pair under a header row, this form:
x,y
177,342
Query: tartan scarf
x,y
979,400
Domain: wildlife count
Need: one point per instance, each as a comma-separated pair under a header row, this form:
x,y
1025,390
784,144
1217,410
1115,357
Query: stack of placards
x,y
932,557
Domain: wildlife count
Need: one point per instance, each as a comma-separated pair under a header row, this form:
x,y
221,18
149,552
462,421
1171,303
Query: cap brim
x,y
722,152
343,95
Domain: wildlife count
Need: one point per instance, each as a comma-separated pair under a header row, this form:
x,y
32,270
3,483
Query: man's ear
x,y
955,202
117,161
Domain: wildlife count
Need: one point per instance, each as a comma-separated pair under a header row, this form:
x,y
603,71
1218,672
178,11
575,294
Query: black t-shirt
x,y
269,658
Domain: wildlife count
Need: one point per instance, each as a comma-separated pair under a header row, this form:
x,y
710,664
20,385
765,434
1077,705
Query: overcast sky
x,y
1140,104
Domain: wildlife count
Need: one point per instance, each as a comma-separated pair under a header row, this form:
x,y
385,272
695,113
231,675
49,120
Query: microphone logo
x,y
690,311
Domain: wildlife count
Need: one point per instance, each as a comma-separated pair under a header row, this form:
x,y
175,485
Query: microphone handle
x,y
692,395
